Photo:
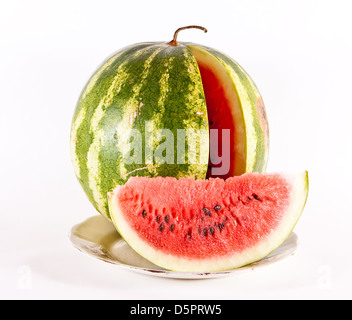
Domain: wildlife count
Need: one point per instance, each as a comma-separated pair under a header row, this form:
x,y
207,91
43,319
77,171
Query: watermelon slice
x,y
208,225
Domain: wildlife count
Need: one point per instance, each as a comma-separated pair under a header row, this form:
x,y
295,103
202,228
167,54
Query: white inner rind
x,y
297,200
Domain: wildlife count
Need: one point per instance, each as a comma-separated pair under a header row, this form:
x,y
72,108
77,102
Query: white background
x,y
299,54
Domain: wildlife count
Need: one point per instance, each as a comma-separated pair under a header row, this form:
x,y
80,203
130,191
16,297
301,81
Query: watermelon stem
x,y
174,43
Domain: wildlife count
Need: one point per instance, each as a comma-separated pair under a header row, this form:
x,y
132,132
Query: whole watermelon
x,y
149,109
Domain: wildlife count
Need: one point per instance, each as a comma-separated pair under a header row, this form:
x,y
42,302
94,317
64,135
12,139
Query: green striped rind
x,y
254,115
149,85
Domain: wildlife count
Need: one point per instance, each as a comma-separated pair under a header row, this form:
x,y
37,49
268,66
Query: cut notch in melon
x,y
164,220
224,111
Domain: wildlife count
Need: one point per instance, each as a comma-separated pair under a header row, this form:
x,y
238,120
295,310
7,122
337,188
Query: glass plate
x,y
98,238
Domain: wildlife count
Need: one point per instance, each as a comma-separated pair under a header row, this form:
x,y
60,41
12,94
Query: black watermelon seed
x,y
188,236
157,219
172,227
256,197
217,207
211,230
206,211
167,219
249,198
221,226
205,232
144,213
161,228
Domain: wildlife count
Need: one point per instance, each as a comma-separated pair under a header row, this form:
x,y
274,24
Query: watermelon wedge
x,y
209,225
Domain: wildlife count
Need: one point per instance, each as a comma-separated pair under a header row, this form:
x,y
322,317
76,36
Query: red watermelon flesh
x,y
224,113
219,115
208,225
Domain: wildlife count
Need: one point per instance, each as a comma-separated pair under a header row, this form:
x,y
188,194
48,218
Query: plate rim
x,y
266,261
